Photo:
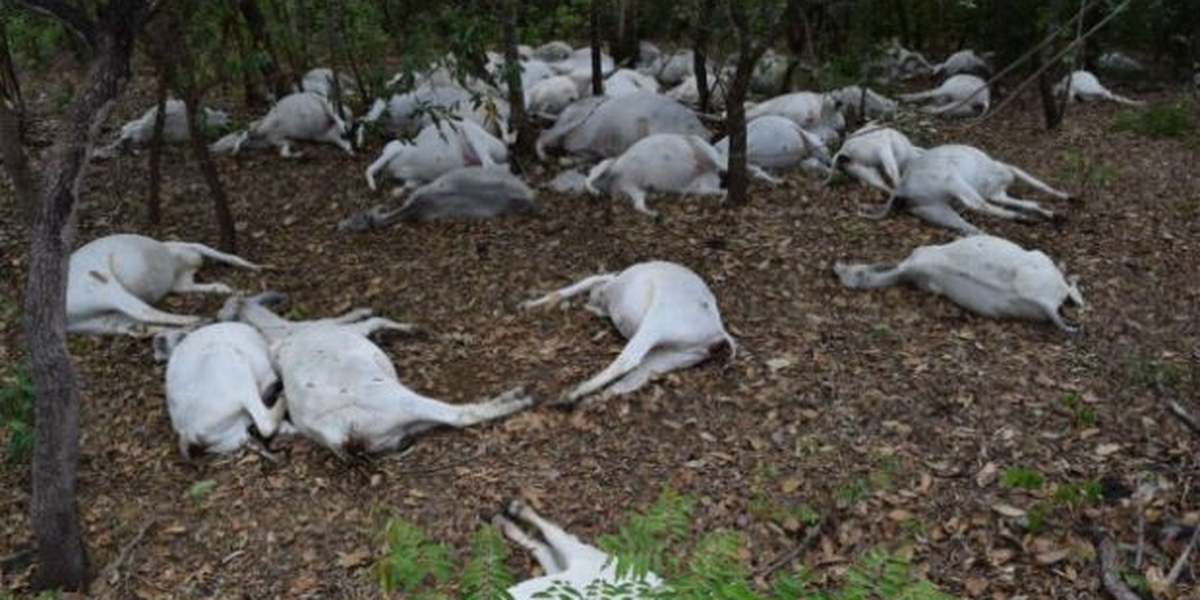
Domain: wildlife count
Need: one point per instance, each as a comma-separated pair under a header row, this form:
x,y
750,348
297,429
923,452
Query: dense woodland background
x,y
63,64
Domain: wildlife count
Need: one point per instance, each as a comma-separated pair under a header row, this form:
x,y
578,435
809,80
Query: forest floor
x,y
992,453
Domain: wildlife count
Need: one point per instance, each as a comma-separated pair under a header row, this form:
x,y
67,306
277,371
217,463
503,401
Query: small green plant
x,y
1085,171
714,567
411,563
1021,478
17,409
1082,416
1074,494
1168,121
1153,373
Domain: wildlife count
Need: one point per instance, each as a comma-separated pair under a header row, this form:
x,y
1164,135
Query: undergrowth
x,y
711,567
16,415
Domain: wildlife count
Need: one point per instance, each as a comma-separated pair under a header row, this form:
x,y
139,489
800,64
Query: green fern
x,y
642,543
486,575
16,415
412,562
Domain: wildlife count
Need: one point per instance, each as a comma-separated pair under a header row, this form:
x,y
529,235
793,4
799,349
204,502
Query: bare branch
x,y
68,14
1110,571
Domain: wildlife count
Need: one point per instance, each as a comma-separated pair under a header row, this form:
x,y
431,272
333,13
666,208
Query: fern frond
x,y
487,576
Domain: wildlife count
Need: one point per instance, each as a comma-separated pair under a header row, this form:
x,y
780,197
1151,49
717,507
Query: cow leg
x,y
426,413
973,200
368,326
635,351
868,175
941,214
658,362
1004,199
185,283
565,545
1037,184
541,552
574,289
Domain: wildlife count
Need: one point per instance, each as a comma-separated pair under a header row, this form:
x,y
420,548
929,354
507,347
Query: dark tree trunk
x,y
208,168
1052,108
62,557
701,31
594,36
8,74
518,120
626,50
256,23
735,97
154,202
12,150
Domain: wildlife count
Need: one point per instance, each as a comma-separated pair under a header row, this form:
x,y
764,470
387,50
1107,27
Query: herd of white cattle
x,y
450,158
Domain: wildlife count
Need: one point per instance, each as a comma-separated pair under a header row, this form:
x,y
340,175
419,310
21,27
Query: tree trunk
x,y
627,47
518,120
62,557
594,35
208,167
8,73
12,153
154,202
1052,108
256,23
704,10
735,97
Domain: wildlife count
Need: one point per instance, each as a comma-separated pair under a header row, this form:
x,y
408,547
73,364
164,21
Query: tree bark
x,y
518,120
154,201
62,557
701,30
735,97
256,23
594,36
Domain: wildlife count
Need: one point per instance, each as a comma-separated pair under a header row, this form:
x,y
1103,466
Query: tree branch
x,y
1110,571
68,14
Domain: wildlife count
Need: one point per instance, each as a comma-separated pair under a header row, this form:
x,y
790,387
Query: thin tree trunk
x,y
704,9
62,556
208,167
594,35
8,73
735,112
256,23
627,48
154,202
12,153
1052,109
518,120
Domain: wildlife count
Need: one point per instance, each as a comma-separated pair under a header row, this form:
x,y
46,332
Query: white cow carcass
x,y
958,96
941,177
876,156
548,97
857,103
138,132
344,393
776,143
571,567
434,100
814,112
663,162
987,275
112,281
601,127
1082,86
963,62
218,382
303,116
438,149
666,311
463,193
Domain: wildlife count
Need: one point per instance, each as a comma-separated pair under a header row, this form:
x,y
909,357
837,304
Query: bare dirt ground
x,y
903,421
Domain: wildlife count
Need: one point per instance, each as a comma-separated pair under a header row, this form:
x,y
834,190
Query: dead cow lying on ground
x,y
939,177
987,275
218,382
664,162
113,280
572,568
665,310
465,193
343,391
